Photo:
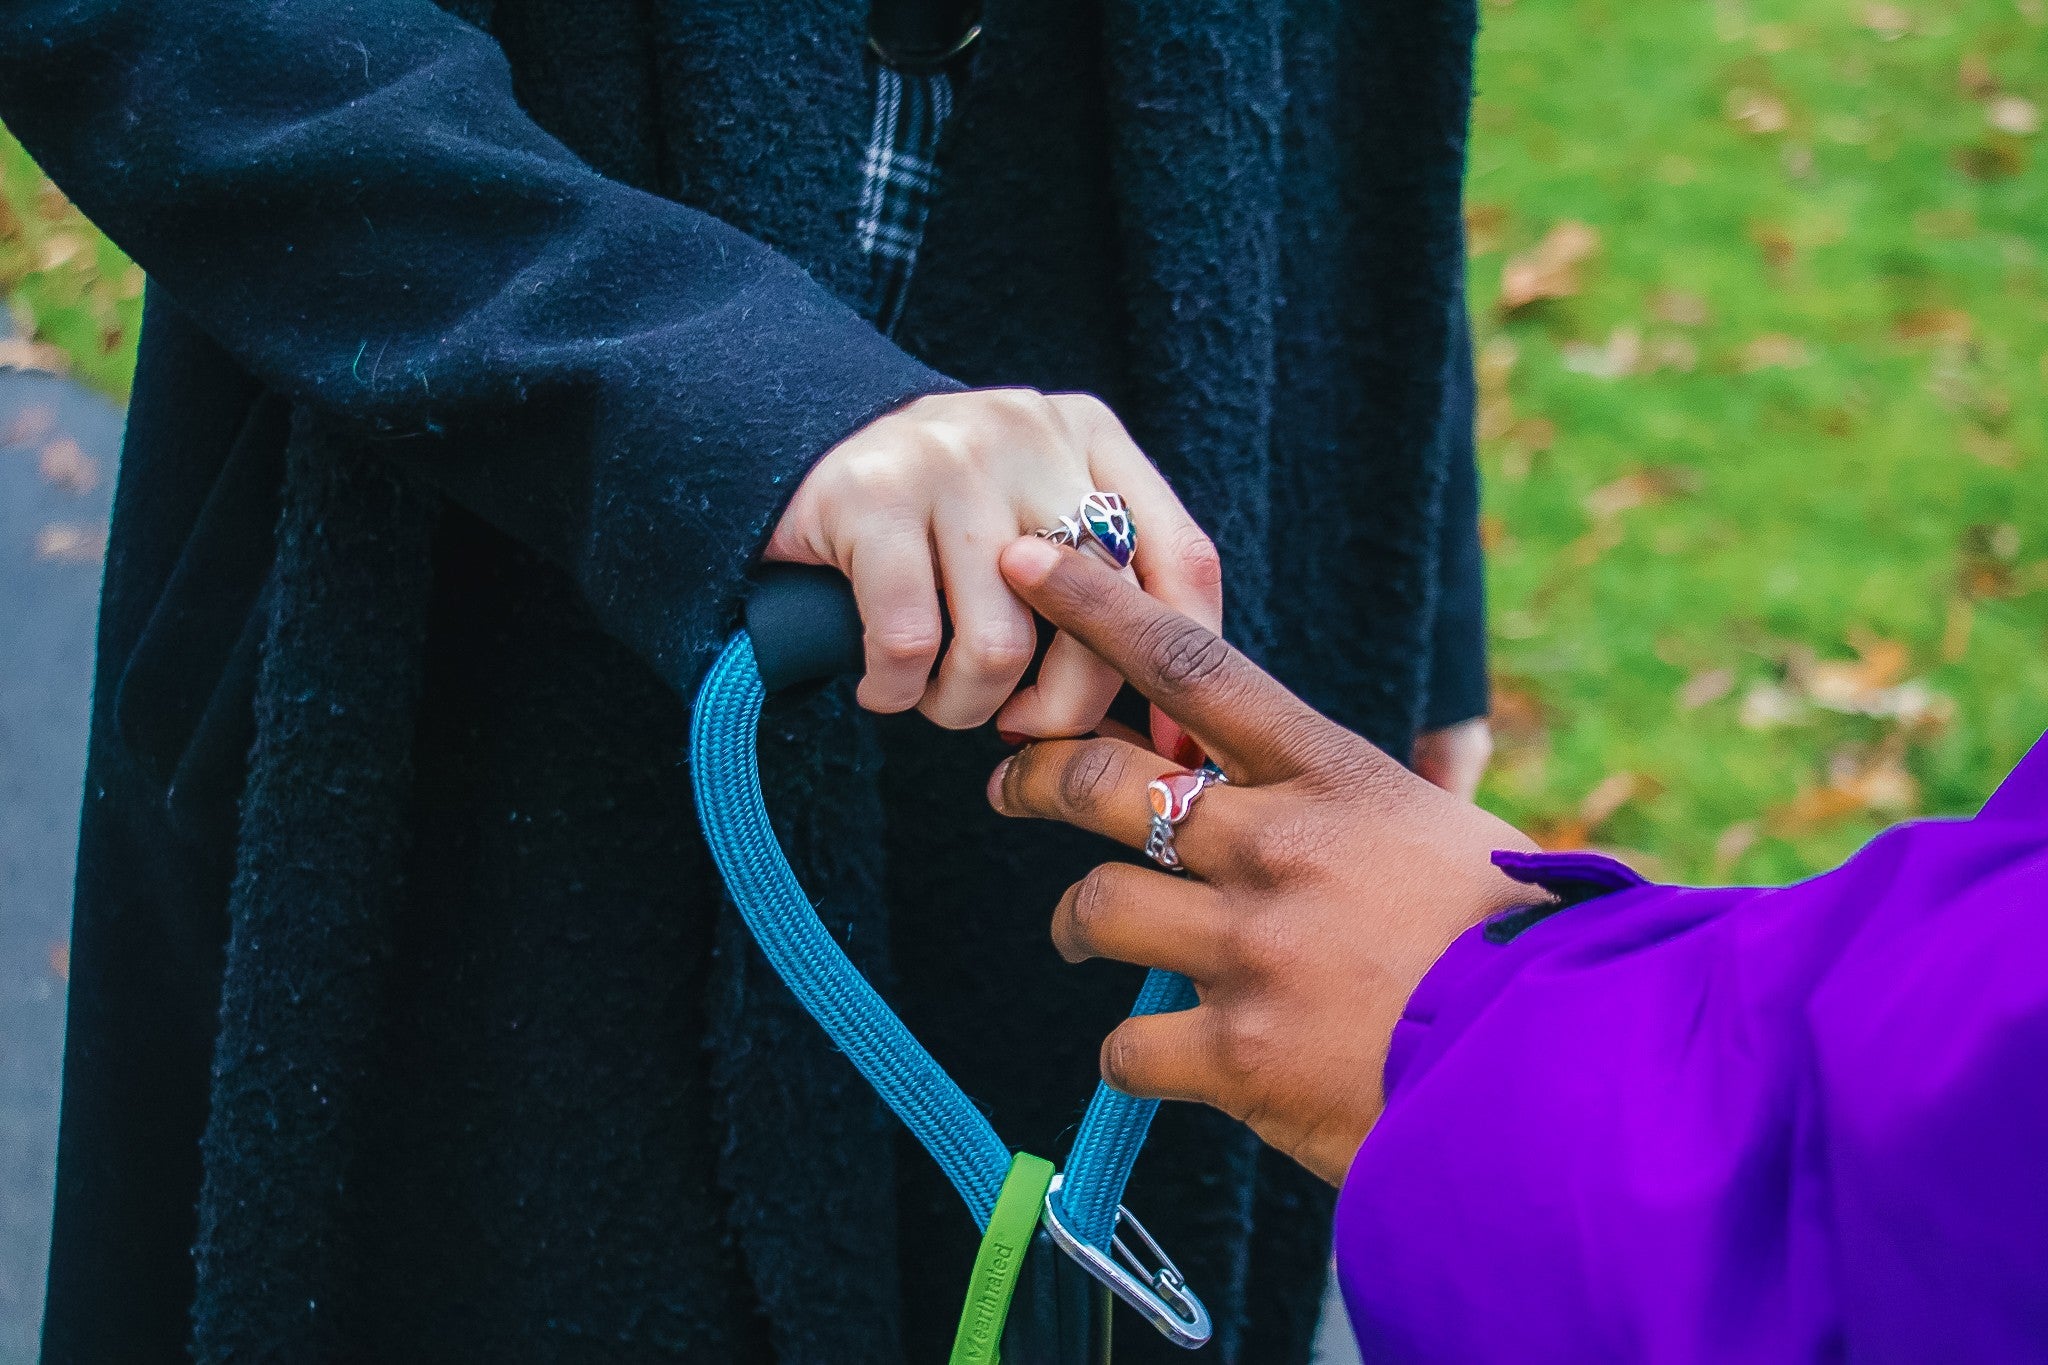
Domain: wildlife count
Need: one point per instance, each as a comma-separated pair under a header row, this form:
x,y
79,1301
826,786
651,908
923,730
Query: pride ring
x,y
1103,521
1173,797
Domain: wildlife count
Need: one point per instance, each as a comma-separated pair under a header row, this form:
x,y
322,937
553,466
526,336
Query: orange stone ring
x,y
1173,797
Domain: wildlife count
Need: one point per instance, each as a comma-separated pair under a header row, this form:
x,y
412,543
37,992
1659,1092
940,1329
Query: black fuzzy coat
x,y
407,1021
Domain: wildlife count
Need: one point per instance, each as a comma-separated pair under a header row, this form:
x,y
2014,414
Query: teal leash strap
x,y
1083,1208
727,768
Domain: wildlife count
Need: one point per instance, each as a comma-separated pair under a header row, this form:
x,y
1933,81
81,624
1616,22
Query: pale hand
x,y
914,509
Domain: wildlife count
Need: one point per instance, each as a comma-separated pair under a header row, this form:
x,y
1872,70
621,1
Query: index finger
x,y
1253,726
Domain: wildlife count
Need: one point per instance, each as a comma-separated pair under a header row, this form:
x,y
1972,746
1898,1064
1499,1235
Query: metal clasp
x,y
1150,1283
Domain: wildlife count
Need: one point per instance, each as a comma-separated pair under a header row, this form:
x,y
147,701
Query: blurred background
x,y
1758,288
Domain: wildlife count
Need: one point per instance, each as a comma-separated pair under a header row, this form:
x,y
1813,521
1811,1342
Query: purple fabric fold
x,y
1685,1124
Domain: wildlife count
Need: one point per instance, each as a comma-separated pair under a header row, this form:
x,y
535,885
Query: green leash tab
x,y
1001,1256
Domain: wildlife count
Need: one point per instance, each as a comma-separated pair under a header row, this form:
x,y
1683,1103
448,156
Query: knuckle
x,y
1095,771
1093,904
905,644
1249,1041
994,654
1186,654
1197,559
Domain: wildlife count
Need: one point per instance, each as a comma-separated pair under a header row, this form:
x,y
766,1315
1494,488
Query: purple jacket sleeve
x,y
1673,1124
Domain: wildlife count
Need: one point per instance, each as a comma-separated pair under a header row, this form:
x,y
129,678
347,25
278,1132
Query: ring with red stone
x,y
1173,797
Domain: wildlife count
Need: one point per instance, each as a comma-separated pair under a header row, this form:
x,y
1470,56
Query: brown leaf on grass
x,y
1640,488
1771,706
29,425
1734,841
60,961
1989,553
1774,351
1519,715
1619,355
1550,269
1756,111
1857,781
1889,22
1974,78
60,249
1608,796
1486,227
19,353
1997,158
1776,244
1941,324
2013,114
64,464
1990,450
64,542
1705,688
1493,532
1679,308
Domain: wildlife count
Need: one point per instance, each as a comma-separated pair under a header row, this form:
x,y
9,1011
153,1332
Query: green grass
x,y
1791,405
1801,172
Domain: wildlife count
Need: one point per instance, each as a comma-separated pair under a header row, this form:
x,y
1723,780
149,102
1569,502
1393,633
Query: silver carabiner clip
x,y
1150,1283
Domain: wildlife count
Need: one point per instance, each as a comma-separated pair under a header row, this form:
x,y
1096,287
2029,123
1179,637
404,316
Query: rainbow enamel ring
x,y
1102,523
1173,797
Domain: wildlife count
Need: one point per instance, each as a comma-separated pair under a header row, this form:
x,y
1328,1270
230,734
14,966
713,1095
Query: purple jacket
x,y
1673,1124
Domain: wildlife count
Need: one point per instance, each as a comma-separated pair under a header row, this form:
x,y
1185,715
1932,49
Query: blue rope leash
x,y
931,1104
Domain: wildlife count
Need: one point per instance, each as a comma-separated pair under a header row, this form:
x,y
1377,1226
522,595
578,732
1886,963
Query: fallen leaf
x,y
1679,308
1946,324
1609,796
29,425
2013,114
65,464
66,542
1702,689
60,249
1974,78
1776,244
1854,686
1990,450
1757,111
1493,532
1550,269
1770,706
1617,357
1673,353
19,353
1735,841
1774,350
1888,22
1996,159
1857,781
1638,488
1486,228
1519,714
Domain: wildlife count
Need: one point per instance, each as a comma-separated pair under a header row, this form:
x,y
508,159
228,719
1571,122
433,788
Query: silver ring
x,y
1103,522
1173,799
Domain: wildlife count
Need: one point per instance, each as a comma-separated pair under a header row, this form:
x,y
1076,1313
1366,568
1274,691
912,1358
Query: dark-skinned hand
x,y
1324,880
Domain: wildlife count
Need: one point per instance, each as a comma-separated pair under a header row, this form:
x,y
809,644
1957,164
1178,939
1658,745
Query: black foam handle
x,y
804,625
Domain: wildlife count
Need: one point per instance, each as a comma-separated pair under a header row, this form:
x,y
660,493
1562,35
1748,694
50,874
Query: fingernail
x,y
1187,753
1028,560
995,784
1013,739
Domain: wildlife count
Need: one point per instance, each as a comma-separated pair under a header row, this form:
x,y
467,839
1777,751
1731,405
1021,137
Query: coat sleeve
x,y
1458,689
346,195
1717,1125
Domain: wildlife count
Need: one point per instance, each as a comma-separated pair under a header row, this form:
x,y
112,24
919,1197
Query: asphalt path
x,y
58,446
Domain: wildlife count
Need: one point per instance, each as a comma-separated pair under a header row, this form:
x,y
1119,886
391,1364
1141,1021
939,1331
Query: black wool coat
x,y
483,348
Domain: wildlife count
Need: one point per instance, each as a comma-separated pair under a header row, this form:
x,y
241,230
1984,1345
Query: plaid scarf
x,y
900,176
